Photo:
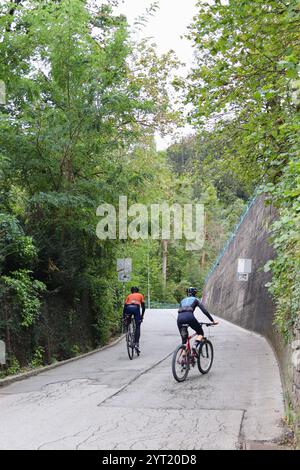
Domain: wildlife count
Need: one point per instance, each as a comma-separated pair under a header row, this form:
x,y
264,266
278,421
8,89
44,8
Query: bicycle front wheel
x,y
180,364
205,356
130,339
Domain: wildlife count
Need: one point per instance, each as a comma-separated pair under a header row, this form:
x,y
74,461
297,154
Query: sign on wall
x,y
244,269
244,266
243,276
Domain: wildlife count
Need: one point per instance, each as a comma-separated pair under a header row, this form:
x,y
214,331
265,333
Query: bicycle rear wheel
x,y
180,364
205,356
130,339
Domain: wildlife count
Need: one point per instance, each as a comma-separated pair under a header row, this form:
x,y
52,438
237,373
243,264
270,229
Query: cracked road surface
x,y
106,401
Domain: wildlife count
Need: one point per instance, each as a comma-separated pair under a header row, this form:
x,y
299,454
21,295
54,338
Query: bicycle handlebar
x,y
207,324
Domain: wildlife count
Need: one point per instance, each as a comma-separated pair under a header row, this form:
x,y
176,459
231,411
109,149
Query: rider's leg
x,y
126,317
129,311
181,320
137,317
199,330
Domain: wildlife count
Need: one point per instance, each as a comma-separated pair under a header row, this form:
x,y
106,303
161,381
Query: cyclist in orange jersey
x,y
135,305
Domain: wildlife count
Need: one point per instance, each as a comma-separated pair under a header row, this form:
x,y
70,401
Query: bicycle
x,y
184,357
130,327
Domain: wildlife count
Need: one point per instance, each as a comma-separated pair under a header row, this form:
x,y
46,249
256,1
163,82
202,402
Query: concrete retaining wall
x,y
248,303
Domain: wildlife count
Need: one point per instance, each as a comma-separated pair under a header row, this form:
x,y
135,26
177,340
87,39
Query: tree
x,y
248,55
246,88
76,131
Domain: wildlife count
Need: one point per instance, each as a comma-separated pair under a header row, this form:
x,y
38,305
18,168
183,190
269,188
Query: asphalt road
x,y
106,401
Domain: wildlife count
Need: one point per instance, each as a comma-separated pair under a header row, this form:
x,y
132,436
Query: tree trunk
x,y
165,262
203,257
7,331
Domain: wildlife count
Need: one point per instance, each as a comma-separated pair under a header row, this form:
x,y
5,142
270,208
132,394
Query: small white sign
x,y
243,276
124,269
244,266
2,353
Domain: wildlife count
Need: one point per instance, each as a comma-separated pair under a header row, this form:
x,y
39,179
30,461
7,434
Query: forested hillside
x,y
83,101
246,88
76,130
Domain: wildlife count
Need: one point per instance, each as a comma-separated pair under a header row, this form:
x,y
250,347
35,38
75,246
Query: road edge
x,y
31,373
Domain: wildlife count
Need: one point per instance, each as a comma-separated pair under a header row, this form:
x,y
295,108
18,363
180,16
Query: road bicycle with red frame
x,y
185,357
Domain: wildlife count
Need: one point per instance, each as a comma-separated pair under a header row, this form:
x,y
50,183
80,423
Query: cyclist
x,y
134,303
186,316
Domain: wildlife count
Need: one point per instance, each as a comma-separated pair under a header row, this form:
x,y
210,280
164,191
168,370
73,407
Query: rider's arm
x,y
201,306
143,305
124,308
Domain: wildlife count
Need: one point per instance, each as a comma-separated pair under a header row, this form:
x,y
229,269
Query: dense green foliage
x,y
285,284
195,163
83,103
76,130
245,89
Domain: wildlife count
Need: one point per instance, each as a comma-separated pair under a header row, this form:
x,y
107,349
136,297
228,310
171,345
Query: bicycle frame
x,y
185,357
188,341
128,319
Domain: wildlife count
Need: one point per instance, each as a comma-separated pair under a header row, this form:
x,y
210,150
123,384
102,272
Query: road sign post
x,y
2,92
124,269
2,353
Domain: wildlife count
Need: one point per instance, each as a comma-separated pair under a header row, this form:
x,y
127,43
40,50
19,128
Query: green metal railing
x,y
163,305
231,238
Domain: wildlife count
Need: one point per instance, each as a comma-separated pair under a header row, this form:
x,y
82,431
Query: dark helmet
x,y
134,289
192,291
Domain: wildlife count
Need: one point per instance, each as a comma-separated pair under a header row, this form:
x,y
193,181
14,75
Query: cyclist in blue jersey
x,y
186,316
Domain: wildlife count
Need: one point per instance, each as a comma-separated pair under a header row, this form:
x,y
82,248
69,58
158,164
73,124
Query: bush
x,y
107,307
26,294
285,268
14,366
38,358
